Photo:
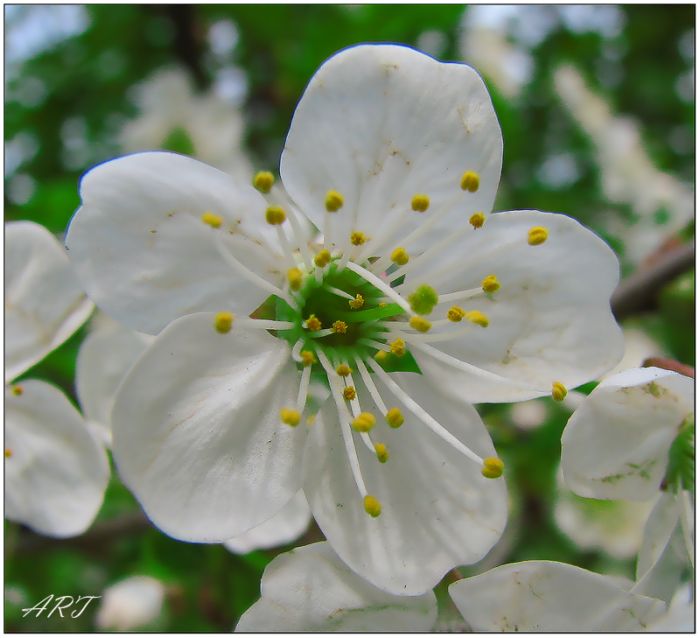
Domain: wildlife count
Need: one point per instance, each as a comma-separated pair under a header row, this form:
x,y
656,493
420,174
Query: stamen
x,y
490,284
382,452
455,314
477,317
461,294
493,467
394,418
477,219
340,327
263,181
303,388
357,238
381,355
420,324
372,506
371,388
275,215
470,181
559,391
265,324
423,416
399,256
334,201
349,393
308,358
322,258
286,247
338,292
17,390
420,203
398,347
295,278
343,370
537,235
211,219
223,322
313,323
8,453
288,416
379,284
364,422
357,302
296,350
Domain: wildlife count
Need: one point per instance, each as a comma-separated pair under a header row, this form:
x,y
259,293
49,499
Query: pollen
x,y
380,356
470,181
263,181
357,302
398,347
537,235
490,283
8,452
313,323
394,418
372,506
357,238
322,258
212,219
399,256
420,202
477,317
364,422
493,467
223,321
17,390
308,358
288,416
275,215
343,370
455,314
349,393
295,278
477,219
559,391
423,299
420,324
334,201
340,327
382,452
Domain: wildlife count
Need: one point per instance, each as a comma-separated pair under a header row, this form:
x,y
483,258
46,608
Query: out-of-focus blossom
x,y
130,604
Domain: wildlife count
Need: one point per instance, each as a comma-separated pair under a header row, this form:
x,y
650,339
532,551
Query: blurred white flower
x,y
130,604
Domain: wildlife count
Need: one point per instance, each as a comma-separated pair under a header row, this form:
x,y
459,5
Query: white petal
x,y
44,304
284,527
143,253
550,320
55,471
381,123
680,616
547,596
130,604
616,444
438,511
196,429
104,357
310,589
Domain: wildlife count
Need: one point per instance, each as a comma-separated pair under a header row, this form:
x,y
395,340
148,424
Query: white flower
x,y
396,158
130,604
55,472
309,589
546,596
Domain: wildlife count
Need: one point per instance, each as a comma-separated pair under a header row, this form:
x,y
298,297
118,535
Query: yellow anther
x,y
275,215
490,283
381,304
477,317
313,323
537,235
380,356
263,181
382,452
289,416
295,278
420,324
363,422
17,390
394,418
492,468
477,219
8,452
357,302
559,391
223,321
455,314
343,370
340,327
322,258
357,238
334,201
349,393
398,347
470,181
308,358
372,506
212,219
420,203
399,256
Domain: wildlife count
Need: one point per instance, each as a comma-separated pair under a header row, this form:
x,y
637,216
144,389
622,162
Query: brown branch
x,y
669,364
638,292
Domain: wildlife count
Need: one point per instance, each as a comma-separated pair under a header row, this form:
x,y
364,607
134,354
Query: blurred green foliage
x,y
66,103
